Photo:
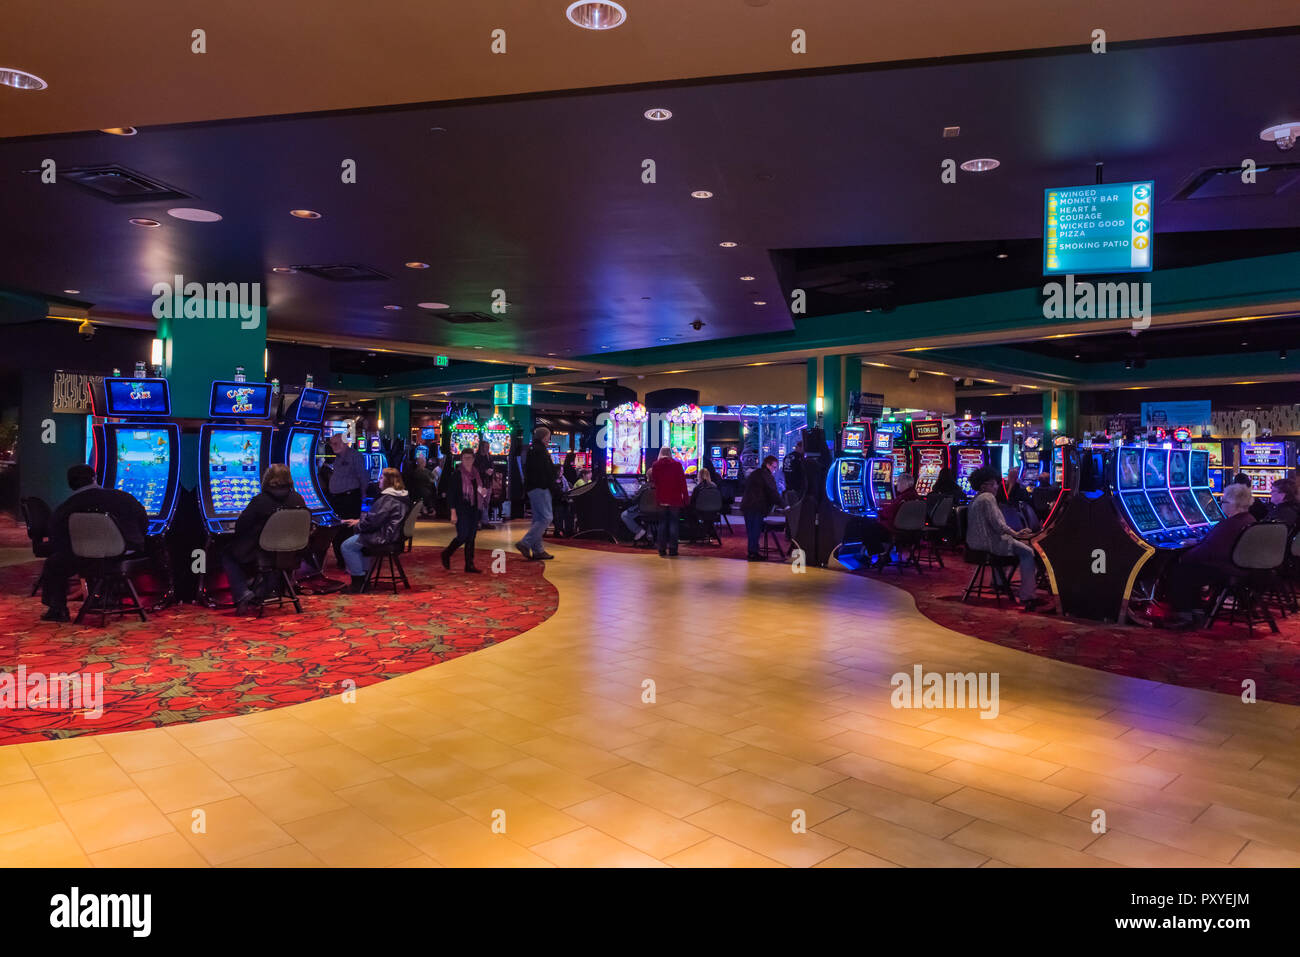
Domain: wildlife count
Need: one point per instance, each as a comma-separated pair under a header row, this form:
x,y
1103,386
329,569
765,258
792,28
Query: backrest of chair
x,y
1261,546
646,502
95,535
910,516
790,498
962,522
36,516
286,530
708,500
408,527
1295,545
942,511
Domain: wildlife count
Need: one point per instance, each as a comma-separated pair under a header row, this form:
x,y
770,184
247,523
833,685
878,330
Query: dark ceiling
x,y
1211,339
543,197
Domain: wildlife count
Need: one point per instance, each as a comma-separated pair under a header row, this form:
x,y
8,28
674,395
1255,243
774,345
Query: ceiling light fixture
x,y
414,265
20,79
760,302
728,245
746,278
392,308
1002,255
658,113
433,305
1283,136
149,223
981,165
702,194
596,14
120,130
75,292
191,215
304,213
283,269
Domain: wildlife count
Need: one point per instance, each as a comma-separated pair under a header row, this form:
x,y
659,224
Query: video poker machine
x,y
971,452
725,459
134,449
929,454
295,445
232,454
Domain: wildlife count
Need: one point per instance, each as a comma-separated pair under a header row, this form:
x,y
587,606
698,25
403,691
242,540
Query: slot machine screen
x,y
1215,451
1163,503
884,441
1261,480
625,446
1178,469
1139,509
851,495
929,464
882,481
853,440
968,460
1209,504
1263,454
1156,461
1200,473
302,463
136,397
244,400
1130,468
311,406
1186,503
143,464
234,456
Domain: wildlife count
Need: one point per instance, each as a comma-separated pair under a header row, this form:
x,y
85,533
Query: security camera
x,y
86,329
913,375
697,324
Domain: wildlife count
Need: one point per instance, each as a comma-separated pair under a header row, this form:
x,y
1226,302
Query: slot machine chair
x,y
392,554
280,546
777,523
909,532
102,557
1002,569
936,527
1257,558
648,513
700,519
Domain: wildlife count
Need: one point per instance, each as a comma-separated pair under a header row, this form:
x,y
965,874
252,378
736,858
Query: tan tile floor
x,y
772,697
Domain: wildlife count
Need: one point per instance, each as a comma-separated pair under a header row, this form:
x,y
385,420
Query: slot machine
x,y
1213,448
686,436
846,479
1163,514
133,448
929,454
232,454
890,443
970,452
625,448
1265,463
496,432
1031,453
296,445
463,433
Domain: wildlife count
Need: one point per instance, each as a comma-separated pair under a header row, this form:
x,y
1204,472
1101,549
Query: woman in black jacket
x,y
382,525
570,469
239,558
464,490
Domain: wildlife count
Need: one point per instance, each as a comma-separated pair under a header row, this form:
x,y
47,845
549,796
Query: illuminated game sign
x,y
501,393
970,430
464,433
927,430
1098,229
625,444
244,400
311,405
496,431
686,436
136,397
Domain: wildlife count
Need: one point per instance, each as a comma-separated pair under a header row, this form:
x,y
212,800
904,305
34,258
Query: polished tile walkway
x,y
771,707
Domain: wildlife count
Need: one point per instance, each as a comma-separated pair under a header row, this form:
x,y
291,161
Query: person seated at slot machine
x,y
1017,494
630,514
382,525
1284,503
878,533
904,491
1208,563
584,478
240,555
570,469
987,531
1257,508
945,486
126,511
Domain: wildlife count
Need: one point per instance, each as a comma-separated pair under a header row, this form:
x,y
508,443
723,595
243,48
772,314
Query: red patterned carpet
x,y
1215,660
191,664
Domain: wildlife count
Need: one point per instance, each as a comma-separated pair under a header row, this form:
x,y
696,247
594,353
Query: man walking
x,y
669,479
539,480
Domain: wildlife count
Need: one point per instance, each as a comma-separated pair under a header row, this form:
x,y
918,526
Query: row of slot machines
x,y
136,447
1164,493
857,483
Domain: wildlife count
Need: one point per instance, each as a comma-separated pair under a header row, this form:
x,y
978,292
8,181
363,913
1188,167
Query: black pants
x,y
61,566
1186,579
563,516
669,528
346,505
466,532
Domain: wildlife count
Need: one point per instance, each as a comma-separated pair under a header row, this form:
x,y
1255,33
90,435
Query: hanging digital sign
x,y
1098,229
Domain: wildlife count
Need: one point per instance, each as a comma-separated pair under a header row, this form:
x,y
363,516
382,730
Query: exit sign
x,y
440,360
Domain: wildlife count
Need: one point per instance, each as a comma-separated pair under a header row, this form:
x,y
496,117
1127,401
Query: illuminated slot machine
x,y
1264,463
626,447
296,446
970,452
686,436
232,454
496,432
846,479
1213,449
1202,485
135,450
1180,488
463,434
556,453
929,454
1031,455
1154,512
880,482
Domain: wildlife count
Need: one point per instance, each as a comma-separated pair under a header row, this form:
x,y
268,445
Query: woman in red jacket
x,y
669,480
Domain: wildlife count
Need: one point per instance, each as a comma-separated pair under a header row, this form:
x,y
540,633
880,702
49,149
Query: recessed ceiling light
x,y
72,292
596,14
120,130
392,308
283,269
760,302
658,113
20,79
981,165
194,215
747,278
433,305
728,245
1002,255
665,338
950,132
702,194
478,347
604,347
1283,136
150,223
417,265
304,213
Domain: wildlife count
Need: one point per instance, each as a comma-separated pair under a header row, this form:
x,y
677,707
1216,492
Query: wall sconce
x,y
156,353
821,405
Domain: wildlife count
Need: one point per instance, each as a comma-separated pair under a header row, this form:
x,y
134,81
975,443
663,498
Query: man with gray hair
x,y
539,481
1210,562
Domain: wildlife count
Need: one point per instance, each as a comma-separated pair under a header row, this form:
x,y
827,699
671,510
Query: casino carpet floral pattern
x,y
191,664
1215,660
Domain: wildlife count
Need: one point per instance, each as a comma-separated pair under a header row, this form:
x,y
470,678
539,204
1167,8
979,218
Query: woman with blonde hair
x,y
382,525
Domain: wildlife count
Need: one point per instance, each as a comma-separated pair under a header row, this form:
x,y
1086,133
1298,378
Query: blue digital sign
x,y
243,400
1098,229
126,397
311,405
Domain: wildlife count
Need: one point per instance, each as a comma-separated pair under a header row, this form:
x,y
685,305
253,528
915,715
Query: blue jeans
x,y
357,564
628,517
754,529
539,499
668,528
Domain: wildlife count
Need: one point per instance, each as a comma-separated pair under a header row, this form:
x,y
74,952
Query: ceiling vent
x,y
1224,182
117,184
343,272
467,318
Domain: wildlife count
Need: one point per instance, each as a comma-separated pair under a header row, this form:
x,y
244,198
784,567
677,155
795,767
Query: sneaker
x,y
639,535
663,553
756,557
522,549
542,556
56,614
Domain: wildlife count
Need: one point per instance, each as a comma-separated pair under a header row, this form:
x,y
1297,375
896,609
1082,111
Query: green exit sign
x,y
440,360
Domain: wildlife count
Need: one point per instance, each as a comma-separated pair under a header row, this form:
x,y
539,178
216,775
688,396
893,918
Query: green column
x,y
396,415
208,344
813,391
1061,405
833,396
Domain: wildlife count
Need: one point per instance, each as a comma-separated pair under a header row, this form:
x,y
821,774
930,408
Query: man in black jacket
x,y
761,496
539,480
240,554
131,518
